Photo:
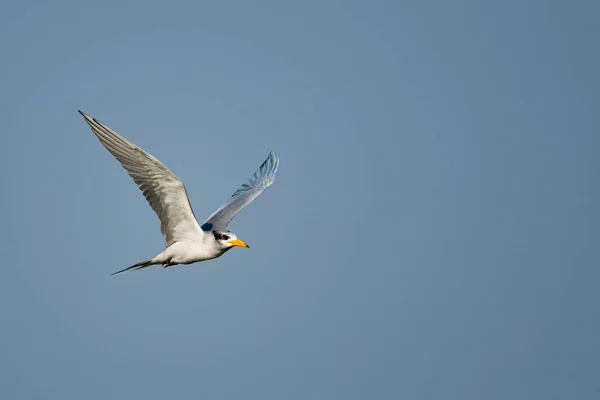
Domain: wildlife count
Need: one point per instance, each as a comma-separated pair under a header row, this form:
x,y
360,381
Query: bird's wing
x,y
262,179
163,190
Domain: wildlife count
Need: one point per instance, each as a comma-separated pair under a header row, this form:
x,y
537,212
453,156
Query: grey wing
x,y
262,179
163,190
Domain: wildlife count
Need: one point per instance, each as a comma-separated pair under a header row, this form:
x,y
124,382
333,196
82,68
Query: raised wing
x,y
262,179
163,190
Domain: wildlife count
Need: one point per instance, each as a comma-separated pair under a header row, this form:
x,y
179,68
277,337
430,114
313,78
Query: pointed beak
x,y
237,242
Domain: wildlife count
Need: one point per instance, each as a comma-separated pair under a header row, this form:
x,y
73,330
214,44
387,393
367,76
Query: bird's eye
x,y
225,237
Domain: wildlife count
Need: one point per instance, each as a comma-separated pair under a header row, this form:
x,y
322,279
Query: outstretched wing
x,y
163,190
262,179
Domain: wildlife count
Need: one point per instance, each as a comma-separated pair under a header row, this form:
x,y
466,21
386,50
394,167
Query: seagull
x,y
187,242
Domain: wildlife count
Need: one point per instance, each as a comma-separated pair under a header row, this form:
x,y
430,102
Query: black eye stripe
x,y
219,236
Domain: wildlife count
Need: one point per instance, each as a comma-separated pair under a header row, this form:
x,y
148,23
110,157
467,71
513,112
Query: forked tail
x,y
139,265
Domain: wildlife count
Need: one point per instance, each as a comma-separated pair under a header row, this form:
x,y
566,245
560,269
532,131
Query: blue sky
x,y
431,233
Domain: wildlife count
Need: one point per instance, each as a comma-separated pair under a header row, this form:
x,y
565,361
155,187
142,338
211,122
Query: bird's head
x,y
227,240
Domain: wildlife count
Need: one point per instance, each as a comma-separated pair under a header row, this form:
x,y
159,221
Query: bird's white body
x,y
186,241
189,251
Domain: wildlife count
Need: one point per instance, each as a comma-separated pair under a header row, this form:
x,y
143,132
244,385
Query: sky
x,y
431,233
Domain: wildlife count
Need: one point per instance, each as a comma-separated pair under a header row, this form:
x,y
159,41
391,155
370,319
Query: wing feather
x,y
262,179
164,191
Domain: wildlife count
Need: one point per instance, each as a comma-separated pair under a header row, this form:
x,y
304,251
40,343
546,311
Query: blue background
x,y
432,232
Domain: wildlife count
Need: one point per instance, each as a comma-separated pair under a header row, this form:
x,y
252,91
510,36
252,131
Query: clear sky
x,y
432,233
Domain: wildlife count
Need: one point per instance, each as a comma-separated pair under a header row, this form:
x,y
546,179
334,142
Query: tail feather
x,y
139,265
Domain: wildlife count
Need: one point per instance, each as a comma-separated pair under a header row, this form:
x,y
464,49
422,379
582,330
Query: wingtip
x,y
84,115
275,160
274,157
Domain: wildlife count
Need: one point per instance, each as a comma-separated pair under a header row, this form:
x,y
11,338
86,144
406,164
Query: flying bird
x,y
187,242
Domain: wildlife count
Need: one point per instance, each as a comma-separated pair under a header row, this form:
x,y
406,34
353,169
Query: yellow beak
x,y
237,242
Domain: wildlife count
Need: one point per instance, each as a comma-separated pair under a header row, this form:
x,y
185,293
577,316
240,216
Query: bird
x,y
186,241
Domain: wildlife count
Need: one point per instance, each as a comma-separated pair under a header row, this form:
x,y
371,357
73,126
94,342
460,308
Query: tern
x,y
187,242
